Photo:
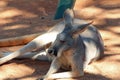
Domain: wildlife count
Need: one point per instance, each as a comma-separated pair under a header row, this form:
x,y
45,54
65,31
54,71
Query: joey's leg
x,y
55,66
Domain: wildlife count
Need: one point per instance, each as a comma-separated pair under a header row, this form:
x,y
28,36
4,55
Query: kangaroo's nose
x,y
51,51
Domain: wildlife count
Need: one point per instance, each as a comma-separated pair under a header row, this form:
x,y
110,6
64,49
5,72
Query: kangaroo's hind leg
x,y
35,55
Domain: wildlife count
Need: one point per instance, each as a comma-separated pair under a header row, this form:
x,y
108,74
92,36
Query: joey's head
x,y
65,40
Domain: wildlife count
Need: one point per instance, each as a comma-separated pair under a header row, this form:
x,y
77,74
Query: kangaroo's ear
x,y
81,27
68,16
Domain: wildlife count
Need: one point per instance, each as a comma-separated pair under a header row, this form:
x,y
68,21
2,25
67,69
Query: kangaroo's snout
x,y
52,52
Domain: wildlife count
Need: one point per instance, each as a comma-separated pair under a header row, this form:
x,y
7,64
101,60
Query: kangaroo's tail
x,y
21,40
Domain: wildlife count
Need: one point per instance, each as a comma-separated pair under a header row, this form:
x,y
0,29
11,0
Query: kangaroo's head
x,y
65,40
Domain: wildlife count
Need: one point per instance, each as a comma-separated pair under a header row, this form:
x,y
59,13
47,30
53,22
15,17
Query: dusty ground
x,y
21,17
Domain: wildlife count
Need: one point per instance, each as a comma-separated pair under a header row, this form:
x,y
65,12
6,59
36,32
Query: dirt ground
x,y
22,17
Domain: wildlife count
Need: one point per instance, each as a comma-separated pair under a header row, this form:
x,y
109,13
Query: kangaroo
x,y
75,47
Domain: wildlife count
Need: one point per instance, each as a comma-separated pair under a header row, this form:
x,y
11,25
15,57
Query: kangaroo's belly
x,y
66,59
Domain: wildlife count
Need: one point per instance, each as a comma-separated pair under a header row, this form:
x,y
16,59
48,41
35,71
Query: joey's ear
x,y
68,16
81,27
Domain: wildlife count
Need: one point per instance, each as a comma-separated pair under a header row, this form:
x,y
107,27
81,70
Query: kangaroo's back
x,y
94,47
